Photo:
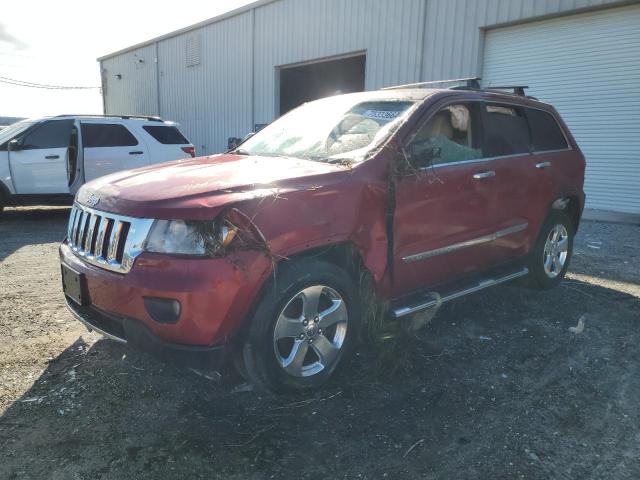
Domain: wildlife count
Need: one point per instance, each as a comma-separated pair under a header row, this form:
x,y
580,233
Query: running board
x,y
401,311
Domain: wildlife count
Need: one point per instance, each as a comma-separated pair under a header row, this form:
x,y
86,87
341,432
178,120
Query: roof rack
x,y
471,83
124,117
517,89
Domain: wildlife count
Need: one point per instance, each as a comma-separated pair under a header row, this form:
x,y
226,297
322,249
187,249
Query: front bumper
x,y
215,296
134,334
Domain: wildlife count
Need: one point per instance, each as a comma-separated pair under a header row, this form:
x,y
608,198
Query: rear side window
x,y
545,131
51,134
506,131
166,135
106,135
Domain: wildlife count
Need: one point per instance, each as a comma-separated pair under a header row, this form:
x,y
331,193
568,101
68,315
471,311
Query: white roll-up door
x,y
588,67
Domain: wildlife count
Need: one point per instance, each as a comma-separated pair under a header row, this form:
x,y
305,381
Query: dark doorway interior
x,y
317,80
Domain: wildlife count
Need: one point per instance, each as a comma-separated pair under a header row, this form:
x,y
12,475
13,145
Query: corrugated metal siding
x,y
135,92
454,36
593,80
292,31
212,100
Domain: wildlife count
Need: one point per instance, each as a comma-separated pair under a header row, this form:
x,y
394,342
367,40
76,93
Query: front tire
x,y
304,326
550,257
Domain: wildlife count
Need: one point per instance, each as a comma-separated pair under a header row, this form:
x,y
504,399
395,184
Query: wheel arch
x,y
343,254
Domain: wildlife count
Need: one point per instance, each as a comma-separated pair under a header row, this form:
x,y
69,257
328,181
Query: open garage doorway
x,y
303,83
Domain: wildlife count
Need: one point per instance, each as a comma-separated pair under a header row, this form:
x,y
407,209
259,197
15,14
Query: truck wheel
x,y
549,259
304,325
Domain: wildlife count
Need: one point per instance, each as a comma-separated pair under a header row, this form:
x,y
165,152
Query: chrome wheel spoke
x,y
548,262
563,244
337,313
294,362
326,351
311,300
287,327
557,265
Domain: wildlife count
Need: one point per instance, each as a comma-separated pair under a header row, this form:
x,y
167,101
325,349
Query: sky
x,y
57,43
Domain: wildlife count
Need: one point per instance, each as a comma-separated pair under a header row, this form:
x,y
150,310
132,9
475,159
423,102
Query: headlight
x,y
190,238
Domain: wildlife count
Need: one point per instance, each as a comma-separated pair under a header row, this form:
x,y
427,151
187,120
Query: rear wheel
x,y
549,260
303,327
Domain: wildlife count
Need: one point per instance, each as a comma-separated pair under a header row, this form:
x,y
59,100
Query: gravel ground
x,y
496,387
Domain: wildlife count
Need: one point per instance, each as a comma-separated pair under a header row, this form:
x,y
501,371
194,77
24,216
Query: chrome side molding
x,y
468,243
481,285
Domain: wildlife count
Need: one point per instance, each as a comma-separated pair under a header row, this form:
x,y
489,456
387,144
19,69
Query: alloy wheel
x,y
556,250
310,331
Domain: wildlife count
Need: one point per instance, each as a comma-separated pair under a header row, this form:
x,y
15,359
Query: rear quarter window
x,y
166,135
545,131
96,135
505,131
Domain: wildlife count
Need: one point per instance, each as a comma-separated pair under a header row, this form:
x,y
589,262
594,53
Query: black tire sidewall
x,y
539,278
261,365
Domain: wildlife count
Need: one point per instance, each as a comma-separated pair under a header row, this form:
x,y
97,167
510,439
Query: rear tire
x,y
304,326
549,260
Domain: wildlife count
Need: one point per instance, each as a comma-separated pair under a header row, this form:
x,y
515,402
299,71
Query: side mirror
x,y
14,145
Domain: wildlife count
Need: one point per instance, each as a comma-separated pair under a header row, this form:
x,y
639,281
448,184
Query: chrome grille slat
x,y
76,228
106,240
72,221
89,244
102,230
116,233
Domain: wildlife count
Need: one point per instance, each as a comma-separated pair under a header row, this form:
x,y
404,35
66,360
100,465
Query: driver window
x,y
448,136
50,134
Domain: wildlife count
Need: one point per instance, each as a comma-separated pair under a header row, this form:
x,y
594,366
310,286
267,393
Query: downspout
x,y
421,76
157,61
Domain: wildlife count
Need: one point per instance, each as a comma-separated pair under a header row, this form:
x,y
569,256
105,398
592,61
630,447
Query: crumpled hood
x,y
182,188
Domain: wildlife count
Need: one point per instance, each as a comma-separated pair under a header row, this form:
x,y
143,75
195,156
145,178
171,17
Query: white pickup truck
x,y
46,160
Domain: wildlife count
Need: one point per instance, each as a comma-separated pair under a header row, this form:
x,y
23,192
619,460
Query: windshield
x,y
331,129
13,129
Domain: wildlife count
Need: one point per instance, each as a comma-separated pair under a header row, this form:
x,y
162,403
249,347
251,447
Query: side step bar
x,y
401,311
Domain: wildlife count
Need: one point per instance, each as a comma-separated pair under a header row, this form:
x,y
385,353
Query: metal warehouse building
x,y
222,77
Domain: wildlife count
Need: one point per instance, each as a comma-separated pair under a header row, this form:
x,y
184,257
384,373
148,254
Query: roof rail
x,y
471,83
517,89
124,117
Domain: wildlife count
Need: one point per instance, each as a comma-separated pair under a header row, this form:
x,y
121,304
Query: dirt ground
x,y
496,387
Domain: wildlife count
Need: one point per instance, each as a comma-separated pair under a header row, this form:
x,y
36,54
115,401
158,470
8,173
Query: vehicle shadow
x,y
495,387
24,226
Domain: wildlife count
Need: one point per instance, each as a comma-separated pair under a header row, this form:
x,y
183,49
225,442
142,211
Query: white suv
x,y
46,160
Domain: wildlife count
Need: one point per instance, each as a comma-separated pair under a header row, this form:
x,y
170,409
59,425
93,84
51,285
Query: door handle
x,y
136,152
52,157
487,174
542,165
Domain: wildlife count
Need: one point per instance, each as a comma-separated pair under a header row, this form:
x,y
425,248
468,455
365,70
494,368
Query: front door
x,y
38,159
445,202
109,148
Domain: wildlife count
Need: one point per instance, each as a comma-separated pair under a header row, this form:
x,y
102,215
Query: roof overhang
x,y
218,18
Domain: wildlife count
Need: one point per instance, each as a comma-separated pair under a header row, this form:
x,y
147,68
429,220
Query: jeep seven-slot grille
x,y
106,240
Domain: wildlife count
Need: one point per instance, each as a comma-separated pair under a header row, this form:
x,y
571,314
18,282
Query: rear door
x,y
110,147
507,149
39,164
548,164
445,202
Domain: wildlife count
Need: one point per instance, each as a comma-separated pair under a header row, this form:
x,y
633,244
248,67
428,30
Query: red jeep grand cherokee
x,y
261,251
